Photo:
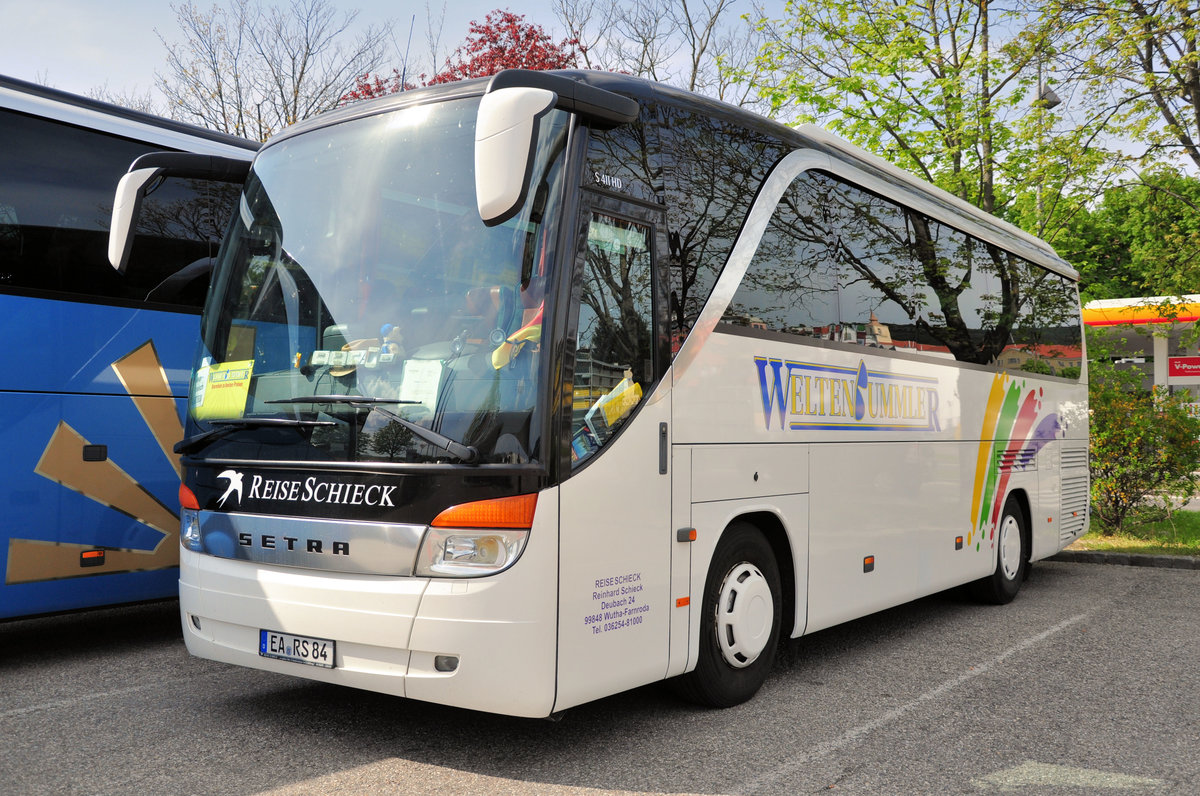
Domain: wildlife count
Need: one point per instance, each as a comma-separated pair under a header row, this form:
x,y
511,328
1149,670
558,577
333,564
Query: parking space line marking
x,y
857,733
82,698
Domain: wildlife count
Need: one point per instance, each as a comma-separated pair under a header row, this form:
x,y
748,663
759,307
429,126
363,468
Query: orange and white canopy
x,y
1154,309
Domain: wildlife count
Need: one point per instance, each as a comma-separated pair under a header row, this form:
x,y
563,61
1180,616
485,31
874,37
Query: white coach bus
x,y
520,392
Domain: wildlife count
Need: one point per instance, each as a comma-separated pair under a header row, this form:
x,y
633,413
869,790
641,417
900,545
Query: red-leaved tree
x,y
504,40
369,86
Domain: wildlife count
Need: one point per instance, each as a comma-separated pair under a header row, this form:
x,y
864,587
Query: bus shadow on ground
x,y
86,634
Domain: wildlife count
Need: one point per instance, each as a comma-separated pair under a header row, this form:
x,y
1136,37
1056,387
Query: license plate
x,y
299,649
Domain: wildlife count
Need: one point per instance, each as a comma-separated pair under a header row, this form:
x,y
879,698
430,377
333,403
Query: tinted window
x,y
705,172
615,355
358,265
56,193
841,264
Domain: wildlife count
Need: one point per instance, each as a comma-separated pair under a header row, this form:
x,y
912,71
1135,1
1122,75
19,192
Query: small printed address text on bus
x,y
617,603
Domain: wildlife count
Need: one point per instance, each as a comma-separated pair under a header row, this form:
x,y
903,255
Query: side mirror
x,y
132,189
126,207
506,126
505,131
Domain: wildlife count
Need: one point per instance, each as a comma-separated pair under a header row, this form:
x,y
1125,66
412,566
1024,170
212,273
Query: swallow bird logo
x,y
235,485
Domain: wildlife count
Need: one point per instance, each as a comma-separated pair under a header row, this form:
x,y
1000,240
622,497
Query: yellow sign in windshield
x,y
223,390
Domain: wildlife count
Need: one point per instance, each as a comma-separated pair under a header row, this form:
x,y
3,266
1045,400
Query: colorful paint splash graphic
x,y
1014,429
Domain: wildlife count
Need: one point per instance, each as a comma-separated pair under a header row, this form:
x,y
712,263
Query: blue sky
x,y
77,45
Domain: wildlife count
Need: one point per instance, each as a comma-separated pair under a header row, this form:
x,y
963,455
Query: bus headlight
x,y
476,539
189,529
457,553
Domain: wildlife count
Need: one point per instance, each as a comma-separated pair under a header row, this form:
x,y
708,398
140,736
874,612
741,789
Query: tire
x,y
738,637
1012,558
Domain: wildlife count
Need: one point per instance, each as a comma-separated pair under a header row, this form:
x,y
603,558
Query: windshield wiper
x,y
467,454
337,399
228,426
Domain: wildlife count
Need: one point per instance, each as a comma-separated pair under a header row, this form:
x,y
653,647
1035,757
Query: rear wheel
x,y
740,620
1012,558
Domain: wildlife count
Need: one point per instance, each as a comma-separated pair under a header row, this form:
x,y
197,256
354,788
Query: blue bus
x,y
92,395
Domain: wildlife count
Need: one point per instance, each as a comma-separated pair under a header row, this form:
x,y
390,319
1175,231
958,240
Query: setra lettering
x,y
268,541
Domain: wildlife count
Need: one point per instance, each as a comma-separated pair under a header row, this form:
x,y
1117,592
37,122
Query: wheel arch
x,y
1022,499
772,528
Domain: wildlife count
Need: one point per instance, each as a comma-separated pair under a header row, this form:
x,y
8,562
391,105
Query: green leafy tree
x,y
1142,239
1145,445
1136,63
946,89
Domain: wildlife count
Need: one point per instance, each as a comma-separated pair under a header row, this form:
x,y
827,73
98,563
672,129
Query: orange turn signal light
x,y
187,499
509,512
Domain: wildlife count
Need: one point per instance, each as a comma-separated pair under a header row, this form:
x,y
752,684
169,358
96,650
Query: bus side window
x,y
615,354
791,283
179,231
10,231
56,193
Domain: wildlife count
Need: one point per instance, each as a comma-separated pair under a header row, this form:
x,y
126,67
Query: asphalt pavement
x,y
1086,683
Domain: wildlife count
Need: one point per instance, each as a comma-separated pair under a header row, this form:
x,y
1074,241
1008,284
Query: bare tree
x,y
252,70
700,45
697,25
643,43
590,23
434,22
146,102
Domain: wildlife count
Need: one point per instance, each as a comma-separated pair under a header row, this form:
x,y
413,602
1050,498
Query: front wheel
x,y
739,626
1012,559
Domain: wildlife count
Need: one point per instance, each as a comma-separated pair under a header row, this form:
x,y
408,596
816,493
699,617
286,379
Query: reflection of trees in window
x,y
625,160
390,441
712,170
1049,320
792,284
195,210
834,256
616,324
705,171
900,260
178,232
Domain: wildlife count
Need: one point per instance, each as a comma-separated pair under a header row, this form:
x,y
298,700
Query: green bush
x,y
1070,372
1145,448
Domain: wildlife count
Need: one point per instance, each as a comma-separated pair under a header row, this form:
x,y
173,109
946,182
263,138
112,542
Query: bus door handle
x,y
662,448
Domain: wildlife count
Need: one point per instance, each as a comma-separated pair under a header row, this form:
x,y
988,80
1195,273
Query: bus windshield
x,y
366,313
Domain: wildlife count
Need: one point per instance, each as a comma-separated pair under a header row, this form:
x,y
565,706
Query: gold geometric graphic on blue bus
x,y
143,377
29,560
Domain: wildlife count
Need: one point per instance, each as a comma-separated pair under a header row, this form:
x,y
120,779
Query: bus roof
x,y
928,198
38,100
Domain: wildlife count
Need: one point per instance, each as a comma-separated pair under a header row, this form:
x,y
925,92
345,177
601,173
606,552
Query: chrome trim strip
x,y
362,548
785,171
